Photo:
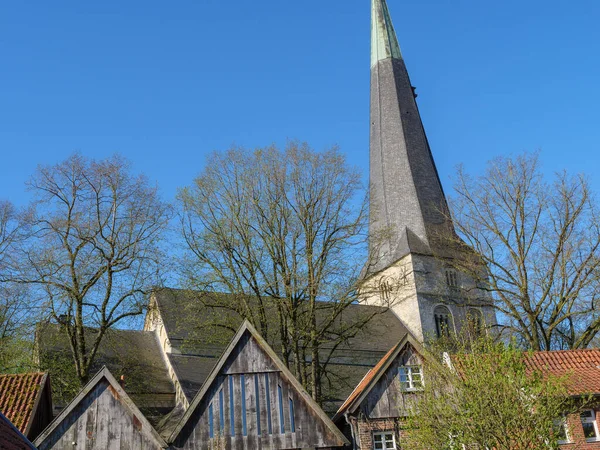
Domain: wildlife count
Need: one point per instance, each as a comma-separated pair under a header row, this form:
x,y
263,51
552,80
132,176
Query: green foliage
x,y
488,398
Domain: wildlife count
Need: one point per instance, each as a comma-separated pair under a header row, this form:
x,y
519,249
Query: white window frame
x,y
384,441
591,420
409,375
562,422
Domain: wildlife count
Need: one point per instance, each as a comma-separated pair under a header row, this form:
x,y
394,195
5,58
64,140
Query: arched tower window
x,y
475,321
443,321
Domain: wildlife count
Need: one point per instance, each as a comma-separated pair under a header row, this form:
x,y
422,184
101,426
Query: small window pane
x,y
588,414
589,431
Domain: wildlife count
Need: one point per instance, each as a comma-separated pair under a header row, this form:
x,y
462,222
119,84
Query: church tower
x,y
411,235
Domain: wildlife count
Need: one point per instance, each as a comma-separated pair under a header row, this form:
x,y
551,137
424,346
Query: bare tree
x,y
540,242
93,250
284,232
14,351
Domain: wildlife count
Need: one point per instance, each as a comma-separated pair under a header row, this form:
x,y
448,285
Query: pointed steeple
x,y
384,43
408,208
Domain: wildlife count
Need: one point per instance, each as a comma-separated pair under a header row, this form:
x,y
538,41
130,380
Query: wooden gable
x,y
386,399
252,401
102,416
380,394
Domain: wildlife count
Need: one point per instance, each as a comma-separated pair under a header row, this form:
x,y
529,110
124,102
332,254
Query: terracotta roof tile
x,y
581,366
18,394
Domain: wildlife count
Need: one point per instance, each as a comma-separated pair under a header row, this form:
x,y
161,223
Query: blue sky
x,y
165,83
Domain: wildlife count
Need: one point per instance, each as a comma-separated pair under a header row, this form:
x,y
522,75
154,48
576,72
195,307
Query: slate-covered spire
x,y
408,207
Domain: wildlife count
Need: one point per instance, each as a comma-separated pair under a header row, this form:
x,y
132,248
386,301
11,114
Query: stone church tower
x,y
412,242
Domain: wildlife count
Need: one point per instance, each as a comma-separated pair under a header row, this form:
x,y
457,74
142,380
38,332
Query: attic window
x,y
411,378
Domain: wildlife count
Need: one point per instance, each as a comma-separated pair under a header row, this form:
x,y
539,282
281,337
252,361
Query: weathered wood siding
x,y
387,399
250,365
101,421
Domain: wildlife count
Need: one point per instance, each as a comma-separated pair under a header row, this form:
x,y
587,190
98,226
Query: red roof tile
x,y
582,367
10,438
18,394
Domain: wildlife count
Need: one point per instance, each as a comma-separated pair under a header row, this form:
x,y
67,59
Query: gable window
x,y
561,432
384,440
589,425
411,378
443,321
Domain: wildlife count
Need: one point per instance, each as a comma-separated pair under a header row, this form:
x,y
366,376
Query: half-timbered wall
x,y
251,405
100,421
386,399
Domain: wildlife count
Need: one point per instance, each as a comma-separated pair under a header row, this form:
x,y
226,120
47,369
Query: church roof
x,y
200,333
135,354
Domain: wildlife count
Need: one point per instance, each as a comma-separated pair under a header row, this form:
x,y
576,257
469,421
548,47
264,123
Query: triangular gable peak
x,y
386,391
251,400
101,416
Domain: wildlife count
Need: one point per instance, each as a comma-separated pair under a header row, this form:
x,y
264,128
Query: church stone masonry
x,y
411,234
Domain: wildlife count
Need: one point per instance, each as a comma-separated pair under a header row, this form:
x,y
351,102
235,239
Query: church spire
x,y
384,43
408,208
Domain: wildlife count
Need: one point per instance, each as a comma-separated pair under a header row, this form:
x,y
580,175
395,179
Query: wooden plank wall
x,y
245,363
386,399
100,421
